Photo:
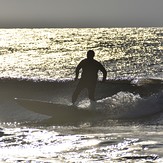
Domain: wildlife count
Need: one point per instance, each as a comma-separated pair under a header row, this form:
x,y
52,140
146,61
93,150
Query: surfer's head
x,y
90,54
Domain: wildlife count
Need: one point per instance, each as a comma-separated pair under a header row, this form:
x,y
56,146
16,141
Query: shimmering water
x,y
82,144
54,53
40,63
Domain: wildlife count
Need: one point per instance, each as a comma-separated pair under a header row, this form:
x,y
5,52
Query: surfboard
x,y
58,111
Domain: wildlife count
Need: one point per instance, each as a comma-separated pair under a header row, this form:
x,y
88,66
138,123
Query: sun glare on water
x,y
54,53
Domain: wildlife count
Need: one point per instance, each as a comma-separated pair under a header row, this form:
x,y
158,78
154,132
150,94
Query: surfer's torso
x,y
90,68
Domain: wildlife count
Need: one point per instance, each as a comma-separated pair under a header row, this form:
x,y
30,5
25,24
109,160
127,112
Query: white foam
x,y
128,105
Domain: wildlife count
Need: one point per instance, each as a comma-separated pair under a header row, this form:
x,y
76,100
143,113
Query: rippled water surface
x,y
82,144
54,53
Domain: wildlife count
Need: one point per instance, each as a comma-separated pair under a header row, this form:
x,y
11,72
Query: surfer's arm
x,y
77,70
103,70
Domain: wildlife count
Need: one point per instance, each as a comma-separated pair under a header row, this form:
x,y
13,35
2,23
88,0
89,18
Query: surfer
x,y
89,76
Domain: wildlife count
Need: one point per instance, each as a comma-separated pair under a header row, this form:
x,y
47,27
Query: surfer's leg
x,y
77,92
91,92
91,95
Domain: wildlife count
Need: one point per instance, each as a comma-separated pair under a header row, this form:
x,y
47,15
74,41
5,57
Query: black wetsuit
x,y
90,68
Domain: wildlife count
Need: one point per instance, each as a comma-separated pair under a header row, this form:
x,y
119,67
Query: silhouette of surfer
x,y
89,76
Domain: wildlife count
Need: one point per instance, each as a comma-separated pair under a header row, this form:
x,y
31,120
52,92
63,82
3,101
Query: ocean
x,y
39,64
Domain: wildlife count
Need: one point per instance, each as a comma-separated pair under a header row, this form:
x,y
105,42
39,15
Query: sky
x,y
80,13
